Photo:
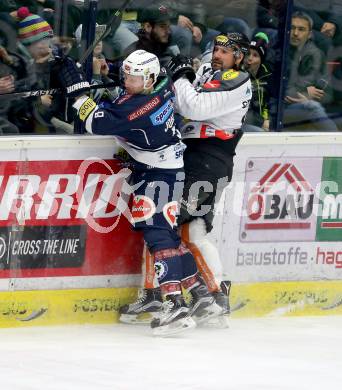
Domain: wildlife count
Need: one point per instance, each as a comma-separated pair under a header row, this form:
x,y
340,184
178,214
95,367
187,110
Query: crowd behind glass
x,y
34,34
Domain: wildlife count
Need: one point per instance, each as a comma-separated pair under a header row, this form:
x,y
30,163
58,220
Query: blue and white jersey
x,y
144,125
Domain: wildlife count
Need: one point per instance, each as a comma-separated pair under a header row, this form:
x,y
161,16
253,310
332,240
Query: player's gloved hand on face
x,y
180,66
115,73
72,78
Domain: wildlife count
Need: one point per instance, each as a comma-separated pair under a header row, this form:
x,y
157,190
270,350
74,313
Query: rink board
x,y
92,306
99,306
72,259
64,214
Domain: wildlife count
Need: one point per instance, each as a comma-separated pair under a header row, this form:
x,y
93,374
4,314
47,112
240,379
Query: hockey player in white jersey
x,y
215,106
214,103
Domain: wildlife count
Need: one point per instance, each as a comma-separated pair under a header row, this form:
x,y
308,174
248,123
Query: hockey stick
x,y
112,26
52,91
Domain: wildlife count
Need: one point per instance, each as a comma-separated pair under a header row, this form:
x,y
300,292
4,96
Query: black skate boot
x,y
203,305
143,310
222,299
174,317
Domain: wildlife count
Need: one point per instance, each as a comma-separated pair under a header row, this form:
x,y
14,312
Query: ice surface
x,y
254,354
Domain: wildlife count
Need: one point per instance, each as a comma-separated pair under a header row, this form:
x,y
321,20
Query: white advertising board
x,y
282,213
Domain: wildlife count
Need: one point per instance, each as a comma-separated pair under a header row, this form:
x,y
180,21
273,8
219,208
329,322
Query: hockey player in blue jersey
x,y
142,120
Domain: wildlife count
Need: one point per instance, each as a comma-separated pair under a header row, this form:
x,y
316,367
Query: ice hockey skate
x,y
203,305
144,309
222,299
173,319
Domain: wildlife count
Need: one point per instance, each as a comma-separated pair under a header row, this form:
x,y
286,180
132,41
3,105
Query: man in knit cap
x,y
36,35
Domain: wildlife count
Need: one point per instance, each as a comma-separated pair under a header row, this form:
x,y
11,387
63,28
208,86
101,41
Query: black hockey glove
x,y
71,78
180,66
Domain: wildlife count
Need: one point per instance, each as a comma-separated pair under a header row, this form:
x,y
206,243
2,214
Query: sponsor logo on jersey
x,y
170,211
248,93
143,208
123,98
179,150
161,116
161,269
150,105
86,109
170,122
161,85
212,84
207,131
167,94
161,156
230,75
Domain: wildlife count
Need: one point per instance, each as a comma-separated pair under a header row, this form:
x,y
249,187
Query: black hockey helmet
x,y
237,41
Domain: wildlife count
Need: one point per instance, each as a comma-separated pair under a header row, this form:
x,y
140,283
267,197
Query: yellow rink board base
x,y
100,306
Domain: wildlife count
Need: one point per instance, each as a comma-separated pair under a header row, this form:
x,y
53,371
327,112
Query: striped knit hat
x,y
32,28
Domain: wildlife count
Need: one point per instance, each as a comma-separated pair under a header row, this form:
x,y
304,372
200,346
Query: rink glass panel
x,y
206,19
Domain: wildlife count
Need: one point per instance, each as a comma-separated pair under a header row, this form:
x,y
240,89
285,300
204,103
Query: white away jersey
x,y
215,105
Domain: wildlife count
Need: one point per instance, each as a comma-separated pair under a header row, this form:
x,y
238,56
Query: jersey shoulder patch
x,y
230,74
231,79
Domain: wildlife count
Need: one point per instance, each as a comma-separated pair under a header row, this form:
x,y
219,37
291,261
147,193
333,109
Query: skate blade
x,y
220,322
136,319
180,326
208,313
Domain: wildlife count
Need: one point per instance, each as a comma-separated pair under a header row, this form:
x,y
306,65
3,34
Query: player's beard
x,y
216,65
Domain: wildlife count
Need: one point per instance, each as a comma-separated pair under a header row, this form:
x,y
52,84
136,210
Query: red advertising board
x,y
60,218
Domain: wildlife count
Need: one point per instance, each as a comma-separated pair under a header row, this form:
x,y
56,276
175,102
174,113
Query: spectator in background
x,y
223,17
36,35
268,13
190,25
308,78
6,86
8,30
8,5
100,66
327,19
155,35
16,74
35,5
258,115
115,44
